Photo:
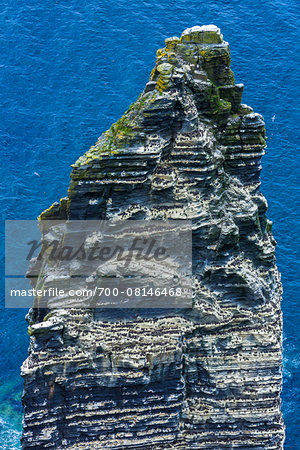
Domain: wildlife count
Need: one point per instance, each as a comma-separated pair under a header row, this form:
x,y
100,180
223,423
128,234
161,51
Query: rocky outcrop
x,y
205,377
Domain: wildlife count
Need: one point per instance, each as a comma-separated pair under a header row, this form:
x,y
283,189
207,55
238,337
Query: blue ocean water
x,y
68,69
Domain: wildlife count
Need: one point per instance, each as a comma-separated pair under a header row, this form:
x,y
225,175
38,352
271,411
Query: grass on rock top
x,y
121,133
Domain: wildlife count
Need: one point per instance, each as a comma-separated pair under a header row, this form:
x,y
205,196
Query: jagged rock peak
x,y
191,88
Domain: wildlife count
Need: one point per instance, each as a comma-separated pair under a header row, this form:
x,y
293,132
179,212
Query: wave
x,y
9,437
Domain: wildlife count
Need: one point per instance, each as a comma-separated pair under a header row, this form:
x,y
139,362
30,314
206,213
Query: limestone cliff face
x,y
208,377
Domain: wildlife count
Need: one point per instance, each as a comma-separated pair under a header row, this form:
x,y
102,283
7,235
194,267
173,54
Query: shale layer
x,y
208,377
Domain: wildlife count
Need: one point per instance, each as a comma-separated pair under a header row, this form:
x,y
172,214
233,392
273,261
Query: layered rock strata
x,y
206,377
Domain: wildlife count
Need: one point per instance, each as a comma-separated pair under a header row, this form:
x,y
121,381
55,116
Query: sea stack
x,y
206,377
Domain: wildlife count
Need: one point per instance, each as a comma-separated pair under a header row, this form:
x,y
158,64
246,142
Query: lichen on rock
x,y
209,377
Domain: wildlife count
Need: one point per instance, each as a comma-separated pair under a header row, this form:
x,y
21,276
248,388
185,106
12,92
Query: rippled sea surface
x,y
68,69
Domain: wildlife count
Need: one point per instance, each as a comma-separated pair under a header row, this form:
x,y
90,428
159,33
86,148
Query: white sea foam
x,y
9,437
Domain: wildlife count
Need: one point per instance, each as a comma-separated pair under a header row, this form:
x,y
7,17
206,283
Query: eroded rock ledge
x,y
206,378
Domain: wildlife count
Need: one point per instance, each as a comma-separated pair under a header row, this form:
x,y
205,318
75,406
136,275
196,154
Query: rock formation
x,y
207,377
